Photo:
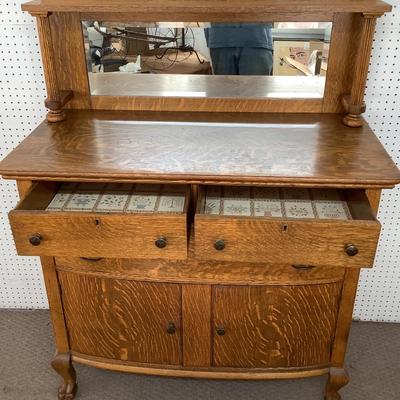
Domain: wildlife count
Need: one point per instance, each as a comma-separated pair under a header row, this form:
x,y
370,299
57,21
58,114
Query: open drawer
x,y
102,220
293,226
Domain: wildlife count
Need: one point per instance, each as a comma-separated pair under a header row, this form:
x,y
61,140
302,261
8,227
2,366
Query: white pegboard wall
x,y
378,297
22,94
21,109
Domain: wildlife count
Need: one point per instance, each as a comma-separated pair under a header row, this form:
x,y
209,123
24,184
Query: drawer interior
x,y
284,203
120,198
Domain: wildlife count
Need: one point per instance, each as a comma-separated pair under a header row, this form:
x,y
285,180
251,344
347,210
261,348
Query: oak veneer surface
x,y
201,272
207,7
294,149
288,326
122,320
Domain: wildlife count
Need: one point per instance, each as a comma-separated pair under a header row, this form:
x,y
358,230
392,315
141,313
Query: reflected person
x,y
240,48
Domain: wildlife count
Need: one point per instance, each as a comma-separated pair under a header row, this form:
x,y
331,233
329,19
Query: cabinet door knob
x,y
351,250
161,242
35,239
220,331
171,328
219,244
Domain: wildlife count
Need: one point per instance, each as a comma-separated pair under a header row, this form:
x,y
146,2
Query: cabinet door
x,y
121,319
274,326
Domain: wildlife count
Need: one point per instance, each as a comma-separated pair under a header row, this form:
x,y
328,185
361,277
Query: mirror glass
x,y
199,59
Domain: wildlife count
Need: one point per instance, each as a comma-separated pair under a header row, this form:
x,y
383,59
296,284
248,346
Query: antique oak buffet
x,y
190,293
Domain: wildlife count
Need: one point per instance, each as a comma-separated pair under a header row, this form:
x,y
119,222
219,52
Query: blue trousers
x,y
242,61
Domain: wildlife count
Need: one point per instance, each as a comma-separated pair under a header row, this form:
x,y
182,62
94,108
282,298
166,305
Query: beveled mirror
x,y
286,60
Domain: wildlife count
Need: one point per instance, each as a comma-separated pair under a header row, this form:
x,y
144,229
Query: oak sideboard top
x,y
267,149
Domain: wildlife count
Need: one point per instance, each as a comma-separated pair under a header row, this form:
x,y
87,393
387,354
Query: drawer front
x,y
286,241
99,235
274,326
121,319
43,230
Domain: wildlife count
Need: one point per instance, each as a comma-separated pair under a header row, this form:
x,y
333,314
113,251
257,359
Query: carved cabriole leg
x,y
62,360
63,366
354,104
53,101
338,376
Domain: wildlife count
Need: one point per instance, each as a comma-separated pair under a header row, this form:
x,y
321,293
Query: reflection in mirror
x,y
216,60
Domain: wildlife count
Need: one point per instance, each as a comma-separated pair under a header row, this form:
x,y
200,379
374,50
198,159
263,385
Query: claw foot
x,y
67,391
338,378
63,366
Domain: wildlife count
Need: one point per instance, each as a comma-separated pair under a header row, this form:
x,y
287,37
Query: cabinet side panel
x,y
272,327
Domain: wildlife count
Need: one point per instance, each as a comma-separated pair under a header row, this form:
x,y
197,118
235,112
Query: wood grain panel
x,y
345,317
208,104
122,320
142,312
287,149
53,100
374,198
342,53
291,326
172,10
93,234
201,272
88,310
23,188
99,235
55,303
203,373
196,317
70,58
286,241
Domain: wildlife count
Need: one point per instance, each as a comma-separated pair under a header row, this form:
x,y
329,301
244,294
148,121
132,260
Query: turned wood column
x,y
354,103
53,101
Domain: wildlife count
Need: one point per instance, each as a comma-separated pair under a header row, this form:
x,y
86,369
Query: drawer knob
x,y
220,331
161,242
351,250
171,328
219,244
35,239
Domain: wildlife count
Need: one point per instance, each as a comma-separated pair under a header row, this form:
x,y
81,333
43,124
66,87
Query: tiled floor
x,y
26,347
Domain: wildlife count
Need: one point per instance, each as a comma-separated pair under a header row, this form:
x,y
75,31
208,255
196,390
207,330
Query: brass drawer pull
x,y
91,259
35,240
351,250
161,242
220,331
219,244
303,266
171,328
